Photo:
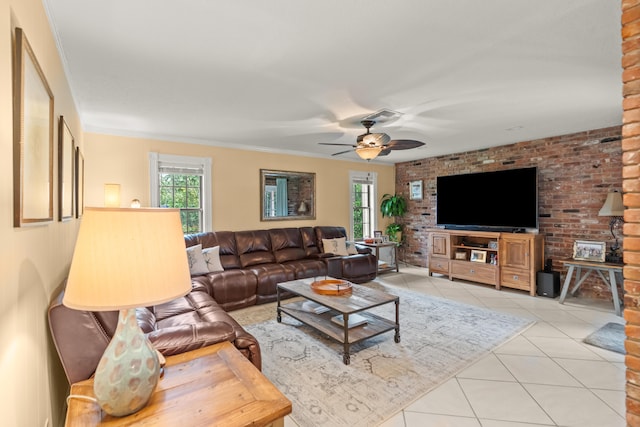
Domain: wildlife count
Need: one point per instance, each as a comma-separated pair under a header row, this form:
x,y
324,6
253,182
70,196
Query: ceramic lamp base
x,y
128,371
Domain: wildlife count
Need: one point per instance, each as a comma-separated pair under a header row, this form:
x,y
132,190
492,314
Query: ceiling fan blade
x,y
335,143
385,152
342,152
404,144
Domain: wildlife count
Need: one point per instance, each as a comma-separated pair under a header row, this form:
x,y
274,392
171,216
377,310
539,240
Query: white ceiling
x,y
284,75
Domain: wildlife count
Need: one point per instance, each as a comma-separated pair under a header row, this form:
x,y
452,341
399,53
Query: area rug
x,y
610,337
439,338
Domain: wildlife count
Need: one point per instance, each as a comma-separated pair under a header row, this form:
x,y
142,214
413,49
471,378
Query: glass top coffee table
x,y
319,312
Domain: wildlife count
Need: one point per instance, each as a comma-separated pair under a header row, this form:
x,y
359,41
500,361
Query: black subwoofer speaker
x,y
548,284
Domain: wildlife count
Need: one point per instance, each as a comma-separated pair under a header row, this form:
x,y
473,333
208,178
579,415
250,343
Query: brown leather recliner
x,y
357,268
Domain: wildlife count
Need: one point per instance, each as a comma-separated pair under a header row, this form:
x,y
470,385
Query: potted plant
x,y
394,231
393,205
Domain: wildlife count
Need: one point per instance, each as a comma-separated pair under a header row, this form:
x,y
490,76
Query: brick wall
x,y
631,198
575,173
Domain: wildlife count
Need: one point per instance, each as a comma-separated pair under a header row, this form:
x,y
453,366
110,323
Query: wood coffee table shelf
x,y
361,299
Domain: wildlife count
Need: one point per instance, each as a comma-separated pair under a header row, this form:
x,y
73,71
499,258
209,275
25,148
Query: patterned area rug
x,y
610,337
439,338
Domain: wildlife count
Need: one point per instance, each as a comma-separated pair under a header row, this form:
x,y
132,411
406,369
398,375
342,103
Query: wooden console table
x,y
214,385
601,268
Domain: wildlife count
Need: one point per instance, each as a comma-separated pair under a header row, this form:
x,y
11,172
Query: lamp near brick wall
x,y
614,208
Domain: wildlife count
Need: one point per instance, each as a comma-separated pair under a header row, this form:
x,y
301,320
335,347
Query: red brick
x,y
631,229
632,116
632,171
632,257
631,14
632,419
633,391
630,30
632,316
631,129
631,199
632,87
630,45
628,4
631,102
630,59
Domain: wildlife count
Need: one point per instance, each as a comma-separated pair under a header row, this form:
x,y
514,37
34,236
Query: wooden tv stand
x,y
508,260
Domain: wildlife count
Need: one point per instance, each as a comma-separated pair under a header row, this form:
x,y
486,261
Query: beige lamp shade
x,y
127,258
368,153
613,206
112,195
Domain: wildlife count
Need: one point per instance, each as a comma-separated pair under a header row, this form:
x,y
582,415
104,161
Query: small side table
x,y
214,385
601,268
393,265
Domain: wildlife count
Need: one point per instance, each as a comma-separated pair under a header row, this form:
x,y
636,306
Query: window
x,y
184,183
363,202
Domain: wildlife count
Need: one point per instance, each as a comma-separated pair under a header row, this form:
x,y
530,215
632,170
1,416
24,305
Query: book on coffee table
x,y
354,320
314,307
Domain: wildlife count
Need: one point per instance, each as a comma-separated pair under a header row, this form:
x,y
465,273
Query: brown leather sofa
x,y
254,263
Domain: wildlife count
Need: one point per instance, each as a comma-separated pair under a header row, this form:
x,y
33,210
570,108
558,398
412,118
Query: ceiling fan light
x,y
368,153
376,139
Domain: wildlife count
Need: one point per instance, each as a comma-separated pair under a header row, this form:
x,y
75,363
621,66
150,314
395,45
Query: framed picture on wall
x,y
32,138
66,172
415,190
79,183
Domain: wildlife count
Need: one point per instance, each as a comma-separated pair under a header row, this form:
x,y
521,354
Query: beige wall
x,y
235,175
33,260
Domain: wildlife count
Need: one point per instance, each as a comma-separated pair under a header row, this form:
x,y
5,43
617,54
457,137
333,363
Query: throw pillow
x,y
212,258
197,264
336,246
351,248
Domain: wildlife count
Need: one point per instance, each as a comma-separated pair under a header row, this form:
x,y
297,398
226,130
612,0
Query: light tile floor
x,y
544,377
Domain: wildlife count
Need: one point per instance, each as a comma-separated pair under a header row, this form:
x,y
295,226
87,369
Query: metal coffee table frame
x,y
361,299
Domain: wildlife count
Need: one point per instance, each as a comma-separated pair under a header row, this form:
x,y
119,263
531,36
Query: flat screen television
x,y
505,200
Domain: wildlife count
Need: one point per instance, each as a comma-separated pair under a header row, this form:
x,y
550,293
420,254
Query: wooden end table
x,y
394,264
214,385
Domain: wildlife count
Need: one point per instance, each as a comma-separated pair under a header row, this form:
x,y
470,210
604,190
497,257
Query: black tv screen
x,y
506,199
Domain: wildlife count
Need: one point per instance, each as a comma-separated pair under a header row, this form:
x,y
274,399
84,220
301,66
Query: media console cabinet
x,y
508,260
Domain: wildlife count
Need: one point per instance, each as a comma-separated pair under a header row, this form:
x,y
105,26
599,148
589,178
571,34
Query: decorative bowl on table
x,y
332,287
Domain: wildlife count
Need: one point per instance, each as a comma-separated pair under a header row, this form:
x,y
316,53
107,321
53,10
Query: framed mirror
x,y
287,195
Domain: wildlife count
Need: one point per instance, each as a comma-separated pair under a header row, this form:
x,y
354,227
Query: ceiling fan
x,y
371,145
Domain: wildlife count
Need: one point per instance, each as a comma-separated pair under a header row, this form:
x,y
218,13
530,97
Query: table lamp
x,y
126,258
614,208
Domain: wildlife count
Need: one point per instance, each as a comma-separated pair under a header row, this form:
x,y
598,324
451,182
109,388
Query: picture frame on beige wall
x,y
79,183
32,138
66,171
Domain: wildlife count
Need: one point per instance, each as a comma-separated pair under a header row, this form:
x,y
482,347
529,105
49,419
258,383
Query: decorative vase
x,y
128,371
